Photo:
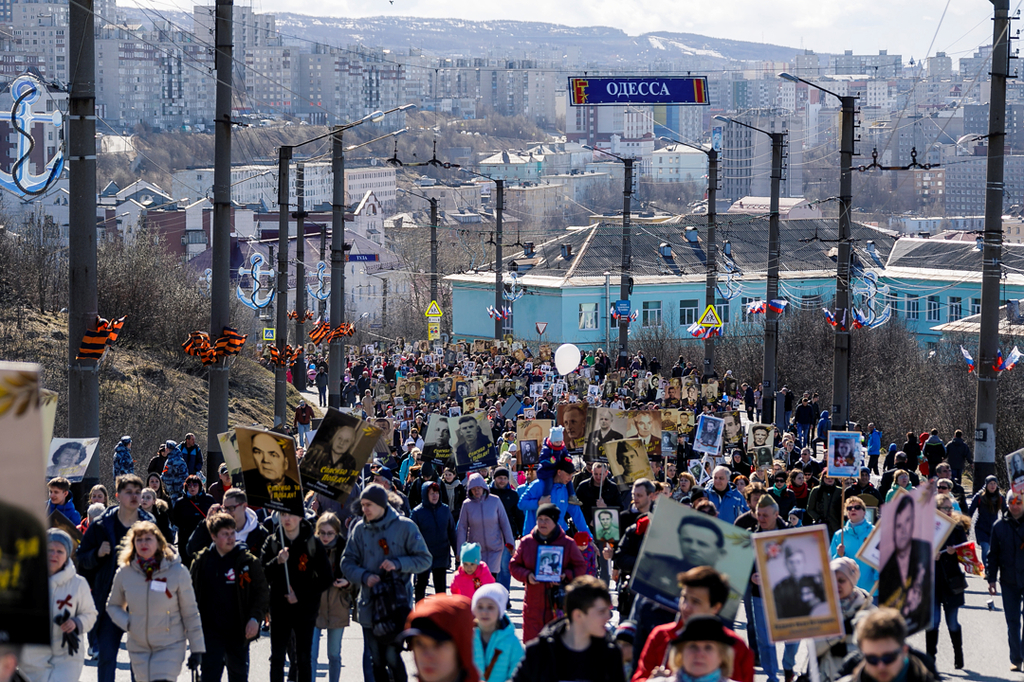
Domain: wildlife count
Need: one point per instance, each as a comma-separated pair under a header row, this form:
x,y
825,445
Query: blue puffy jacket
x,y
498,660
729,504
437,525
124,463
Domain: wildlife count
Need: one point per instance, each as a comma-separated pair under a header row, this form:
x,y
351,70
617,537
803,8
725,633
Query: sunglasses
x,y
855,507
884,659
230,507
944,487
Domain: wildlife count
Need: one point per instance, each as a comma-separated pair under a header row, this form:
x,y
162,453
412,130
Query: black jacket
x,y
309,570
510,500
100,570
543,655
958,453
1005,554
588,494
251,589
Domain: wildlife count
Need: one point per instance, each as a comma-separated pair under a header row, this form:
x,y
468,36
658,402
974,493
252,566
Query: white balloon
x,y
567,358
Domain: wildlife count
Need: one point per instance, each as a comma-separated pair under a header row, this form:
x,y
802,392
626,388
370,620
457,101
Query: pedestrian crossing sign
x,y
710,319
433,310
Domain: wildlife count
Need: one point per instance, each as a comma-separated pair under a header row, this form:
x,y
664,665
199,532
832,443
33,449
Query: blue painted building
x,y
570,282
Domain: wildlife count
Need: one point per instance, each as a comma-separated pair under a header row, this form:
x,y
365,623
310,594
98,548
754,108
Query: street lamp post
x,y
335,370
627,253
433,239
771,318
712,249
499,209
841,363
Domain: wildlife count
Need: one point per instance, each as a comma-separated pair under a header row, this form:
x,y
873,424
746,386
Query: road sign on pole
x,y
623,308
269,334
433,310
685,90
710,319
541,327
433,331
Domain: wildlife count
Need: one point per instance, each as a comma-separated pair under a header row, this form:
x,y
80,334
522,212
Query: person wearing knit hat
x,y
472,573
496,648
624,638
73,613
554,457
439,631
375,493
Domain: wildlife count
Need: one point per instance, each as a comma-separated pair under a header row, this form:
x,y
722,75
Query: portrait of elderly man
x,y
700,542
602,433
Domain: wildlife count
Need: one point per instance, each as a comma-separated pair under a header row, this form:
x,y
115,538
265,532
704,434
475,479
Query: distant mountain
x,y
598,46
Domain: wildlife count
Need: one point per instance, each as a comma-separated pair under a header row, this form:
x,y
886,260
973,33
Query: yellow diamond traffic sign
x,y
433,310
710,318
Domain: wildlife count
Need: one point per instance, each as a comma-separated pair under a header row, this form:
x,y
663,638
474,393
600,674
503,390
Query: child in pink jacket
x,y
472,573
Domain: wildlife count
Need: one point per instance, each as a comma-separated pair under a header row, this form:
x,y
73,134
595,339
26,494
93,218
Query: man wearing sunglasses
x,y
885,656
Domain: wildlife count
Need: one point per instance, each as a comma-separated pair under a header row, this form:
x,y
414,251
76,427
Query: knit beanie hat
x,y
470,553
375,493
57,535
557,434
847,566
549,510
496,592
444,618
500,471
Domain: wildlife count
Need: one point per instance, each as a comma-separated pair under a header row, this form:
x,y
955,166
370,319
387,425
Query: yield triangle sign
x,y
710,318
541,326
433,310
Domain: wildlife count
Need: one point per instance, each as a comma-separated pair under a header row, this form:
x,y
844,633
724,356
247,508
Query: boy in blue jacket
x,y
60,499
554,450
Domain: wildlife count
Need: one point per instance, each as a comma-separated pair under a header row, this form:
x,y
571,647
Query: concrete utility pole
x,y
992,253
300,271
336,361
220,311
433,249
627,263
83,380
712,255
499,208
284,160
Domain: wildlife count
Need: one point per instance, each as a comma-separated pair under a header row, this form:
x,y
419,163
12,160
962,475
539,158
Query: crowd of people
x,y
192,574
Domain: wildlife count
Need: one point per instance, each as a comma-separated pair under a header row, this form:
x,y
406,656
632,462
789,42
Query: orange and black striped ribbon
x,y
95,341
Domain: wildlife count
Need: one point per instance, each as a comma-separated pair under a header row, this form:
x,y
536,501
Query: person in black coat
x,y
188,513
509,499
887,477
436,524
595,488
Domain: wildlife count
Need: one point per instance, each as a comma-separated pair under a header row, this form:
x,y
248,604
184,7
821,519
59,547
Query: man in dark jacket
x,y
295,596
597,492
510,500
824,505
901,462
97,558
934,451
1006,556
958,454
576,647
434,519
233,597
192,453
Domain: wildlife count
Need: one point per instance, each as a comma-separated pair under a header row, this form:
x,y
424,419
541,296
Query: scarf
x,y
149,566
799,490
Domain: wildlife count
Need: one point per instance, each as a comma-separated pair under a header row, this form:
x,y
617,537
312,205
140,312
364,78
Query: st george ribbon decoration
x,y
26,91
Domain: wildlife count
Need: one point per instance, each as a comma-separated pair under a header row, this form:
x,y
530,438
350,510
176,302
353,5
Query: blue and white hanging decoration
x,y
732,286
323,288
26,91
253,299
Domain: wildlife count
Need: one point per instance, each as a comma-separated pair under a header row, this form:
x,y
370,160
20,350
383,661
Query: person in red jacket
x,y
704,592
539,608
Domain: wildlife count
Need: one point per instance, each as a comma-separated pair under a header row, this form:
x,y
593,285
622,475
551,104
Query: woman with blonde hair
x,y
702,651
156,590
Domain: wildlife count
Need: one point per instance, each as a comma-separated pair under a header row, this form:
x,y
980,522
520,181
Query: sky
x,y
906,27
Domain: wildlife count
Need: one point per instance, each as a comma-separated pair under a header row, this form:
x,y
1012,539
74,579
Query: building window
x,y
650,315
975,306
955,308
588,316
688,311
507,323
933,309
722,306
913,307
744,302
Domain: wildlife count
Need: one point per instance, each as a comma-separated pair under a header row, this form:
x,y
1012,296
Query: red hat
x,y
582,537
446,617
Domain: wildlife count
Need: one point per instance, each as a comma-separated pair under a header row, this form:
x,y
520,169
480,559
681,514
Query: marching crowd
x,y
192,574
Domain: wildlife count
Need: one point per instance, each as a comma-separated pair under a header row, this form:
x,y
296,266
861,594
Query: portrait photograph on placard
x,y
535,430
70,457
229,449
470,405
270,471
678,539
628,461
801,599
437,443
432,391
870,551
472,442
529,454
338,451
732,428
709,434
1015,470
603,425
24,592
606,526
906,556
845,455
549,563
573,416
761,444
645,426
673,392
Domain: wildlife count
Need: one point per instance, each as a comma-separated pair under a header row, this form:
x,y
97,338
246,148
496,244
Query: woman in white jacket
x,y
152,599
72,614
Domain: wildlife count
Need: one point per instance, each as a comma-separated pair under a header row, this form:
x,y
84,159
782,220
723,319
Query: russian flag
x,y
829,316
999,361
777,305
968,359
1012,359
756,307
859,319
696,331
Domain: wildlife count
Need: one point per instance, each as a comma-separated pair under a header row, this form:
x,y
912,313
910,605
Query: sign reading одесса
x,y
639,90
